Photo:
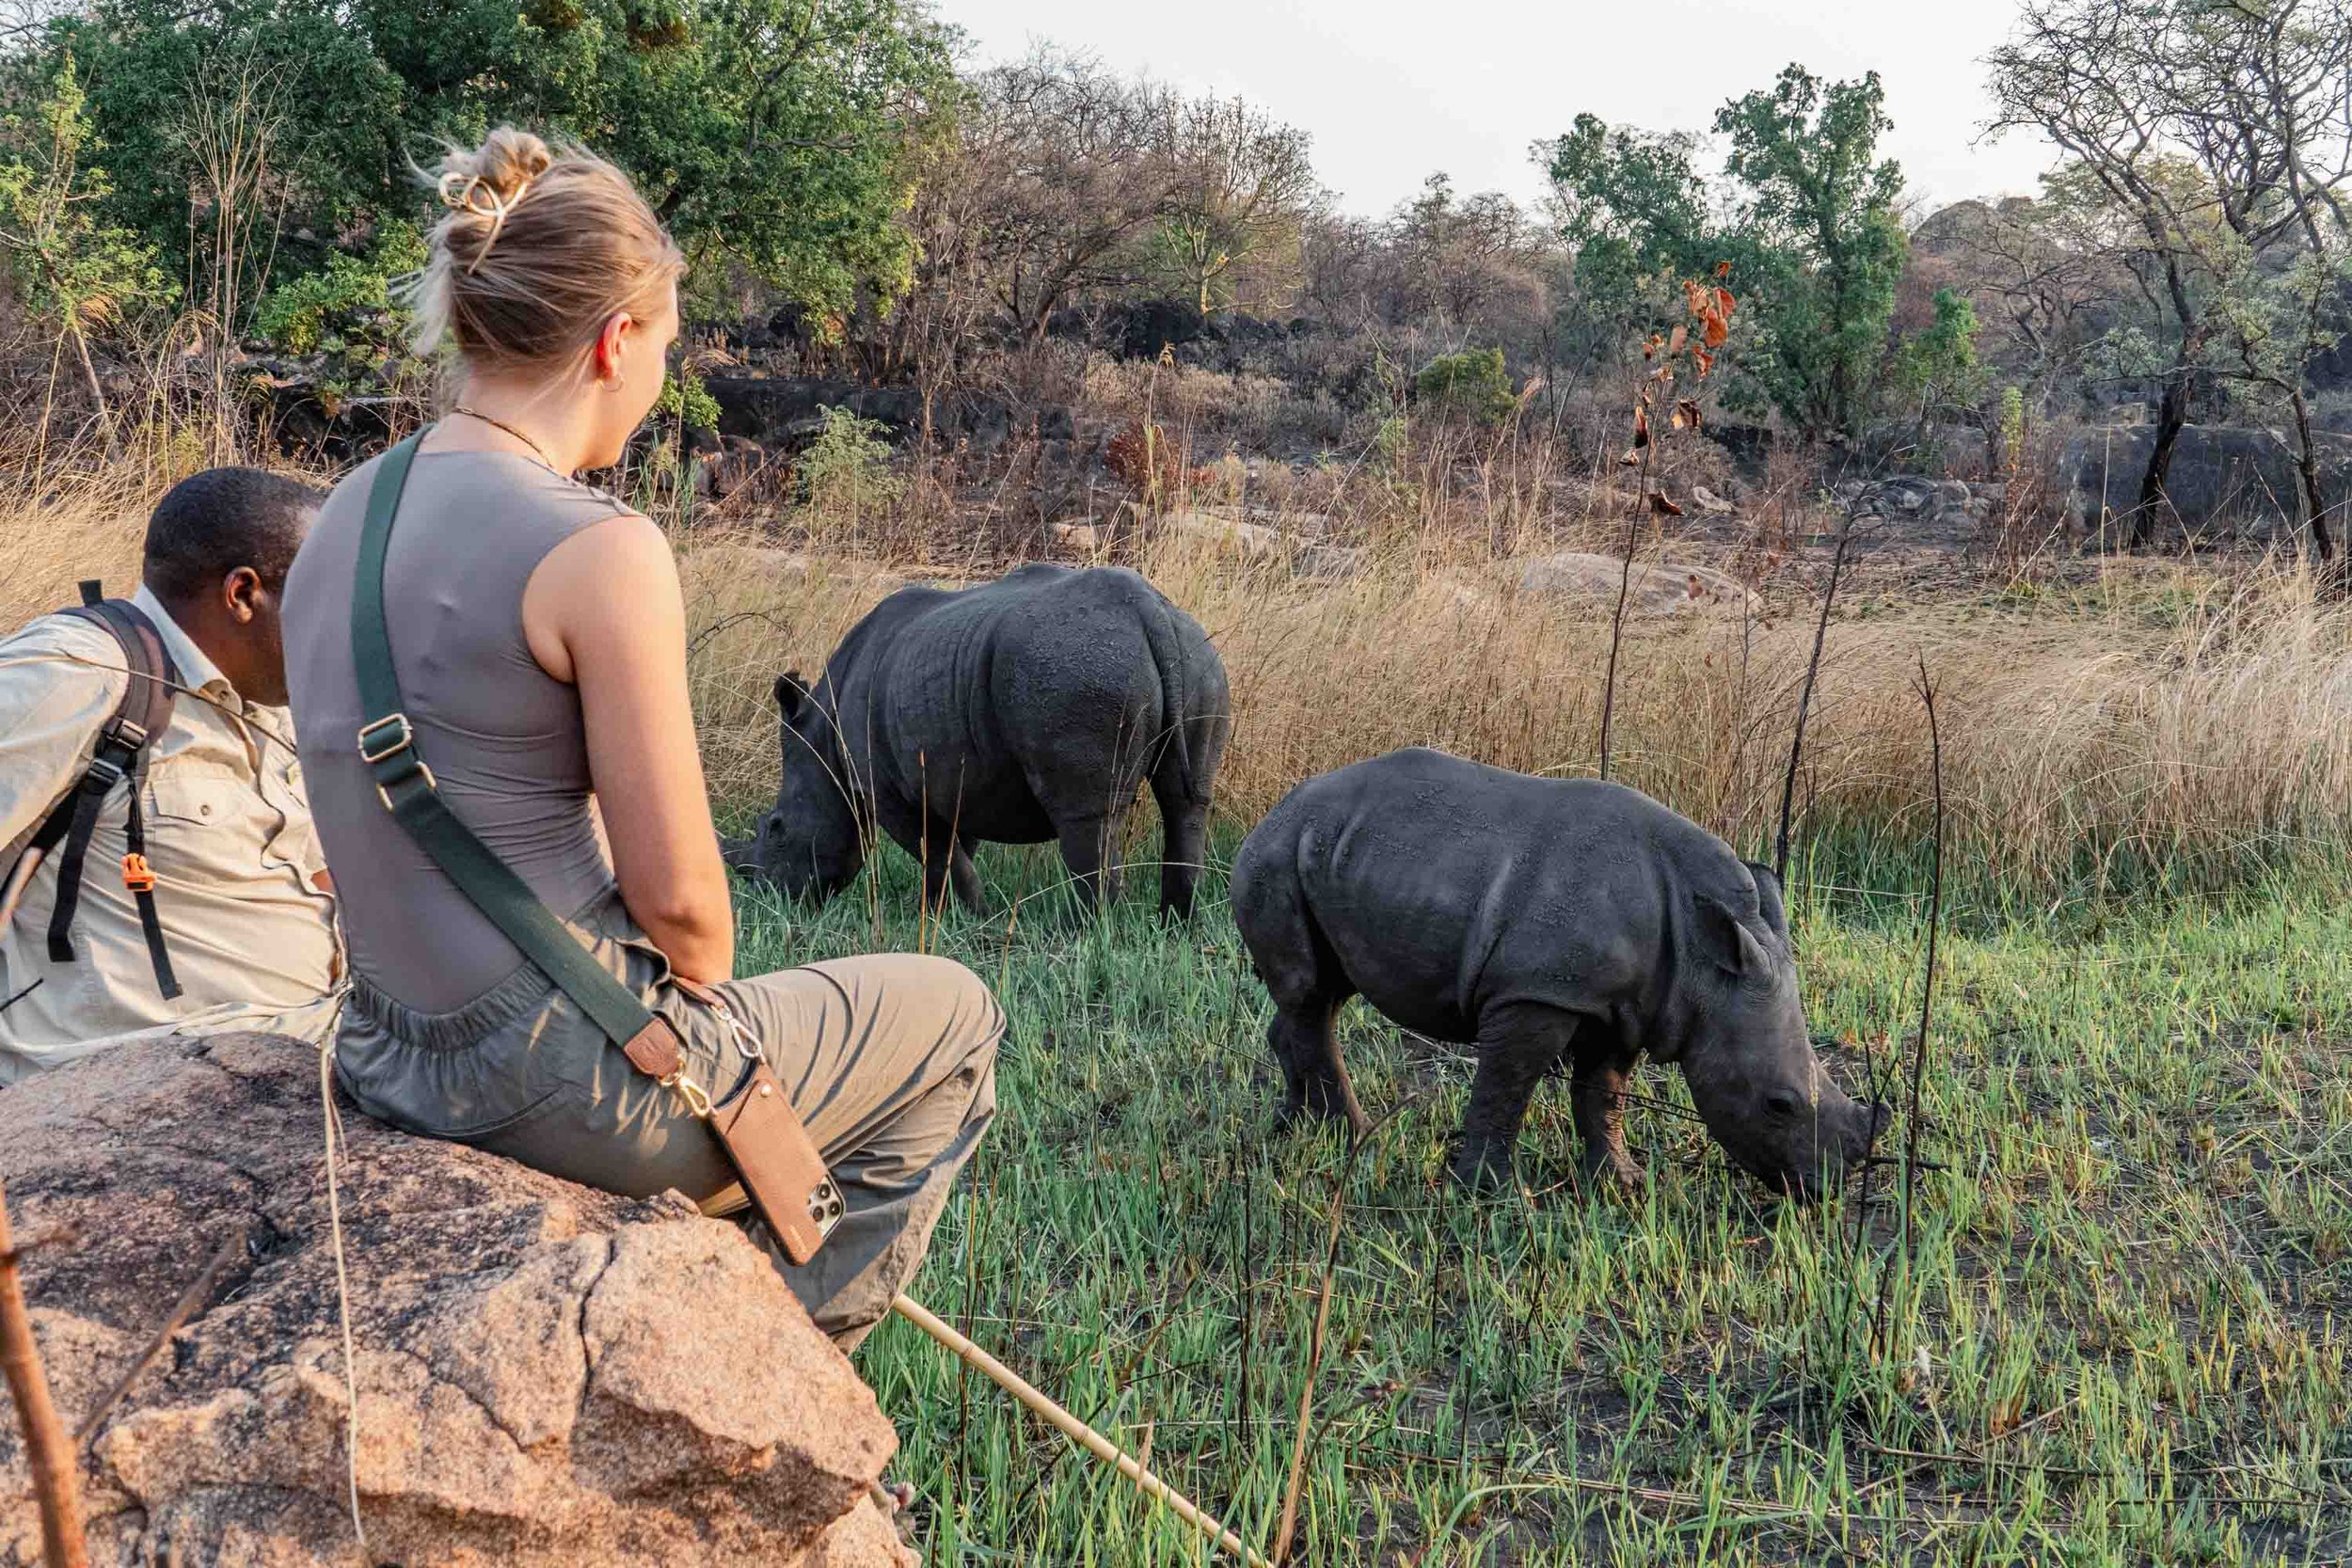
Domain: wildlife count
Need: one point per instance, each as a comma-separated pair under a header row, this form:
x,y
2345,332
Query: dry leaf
x,y
1676,339
1723,269
1705,361
1686,413
1717,330
1724,304
1664,508
1630,460
1641,424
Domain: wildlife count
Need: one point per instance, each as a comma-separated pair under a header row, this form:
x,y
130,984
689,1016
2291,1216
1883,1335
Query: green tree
x,y
71,268
1636,210
1937,368
1825,249
771,134
1808,222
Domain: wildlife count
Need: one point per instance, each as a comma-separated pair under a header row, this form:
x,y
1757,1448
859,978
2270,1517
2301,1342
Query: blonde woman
x,y
538,639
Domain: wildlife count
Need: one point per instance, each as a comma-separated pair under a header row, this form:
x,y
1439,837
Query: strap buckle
x,y
377,748
697,1099
746,1043
372,751
137,875
127,733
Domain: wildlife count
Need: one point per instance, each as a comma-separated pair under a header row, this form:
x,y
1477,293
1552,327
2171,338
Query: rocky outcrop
x,y
547,1375
2239,477
1939,509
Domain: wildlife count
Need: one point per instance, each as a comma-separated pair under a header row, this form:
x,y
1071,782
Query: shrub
x,y
686,400
347,309
845,470
1472,384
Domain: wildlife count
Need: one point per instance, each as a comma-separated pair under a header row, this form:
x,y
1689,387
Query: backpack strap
x,y
119,757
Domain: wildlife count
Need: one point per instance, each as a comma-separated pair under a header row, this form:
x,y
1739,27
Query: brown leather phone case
x,y
782,1174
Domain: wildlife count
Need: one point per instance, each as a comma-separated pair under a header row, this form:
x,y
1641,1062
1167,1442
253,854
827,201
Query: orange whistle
x,y
136,875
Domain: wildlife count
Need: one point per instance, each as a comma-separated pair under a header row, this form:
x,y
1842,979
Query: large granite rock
x,y
547,1375
2240,477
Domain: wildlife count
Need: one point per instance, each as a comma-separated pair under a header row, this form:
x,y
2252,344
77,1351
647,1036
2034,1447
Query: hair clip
x,y
470,192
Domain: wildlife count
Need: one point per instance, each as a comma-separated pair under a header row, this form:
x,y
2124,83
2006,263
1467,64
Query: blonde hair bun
x,y
505,164
538,249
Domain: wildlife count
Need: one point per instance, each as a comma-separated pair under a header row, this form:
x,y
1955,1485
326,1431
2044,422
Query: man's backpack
x,y
121,759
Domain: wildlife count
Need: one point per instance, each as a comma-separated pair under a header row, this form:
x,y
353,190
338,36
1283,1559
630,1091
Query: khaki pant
x,y
890,1059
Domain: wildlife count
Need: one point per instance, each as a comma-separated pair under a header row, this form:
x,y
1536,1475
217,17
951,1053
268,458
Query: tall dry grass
x,y
2193,722
2195,727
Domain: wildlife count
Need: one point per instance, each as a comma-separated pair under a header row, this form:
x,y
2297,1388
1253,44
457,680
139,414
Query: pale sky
x,y
1392,91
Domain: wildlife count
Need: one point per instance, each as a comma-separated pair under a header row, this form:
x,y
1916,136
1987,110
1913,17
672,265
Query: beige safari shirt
x,y
252,936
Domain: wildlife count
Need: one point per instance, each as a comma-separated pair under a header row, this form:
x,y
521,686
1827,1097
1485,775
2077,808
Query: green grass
x,y
2117,1340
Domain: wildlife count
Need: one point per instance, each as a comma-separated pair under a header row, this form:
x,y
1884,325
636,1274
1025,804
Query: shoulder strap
x,y
388,743
144,713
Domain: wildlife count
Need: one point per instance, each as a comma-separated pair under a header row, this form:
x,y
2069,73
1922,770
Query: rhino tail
x,y
1166,638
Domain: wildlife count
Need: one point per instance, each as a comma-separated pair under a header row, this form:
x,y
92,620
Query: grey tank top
x,y
503,738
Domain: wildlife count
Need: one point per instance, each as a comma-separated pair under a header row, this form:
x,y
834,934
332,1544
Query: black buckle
x,y
104,773
371,752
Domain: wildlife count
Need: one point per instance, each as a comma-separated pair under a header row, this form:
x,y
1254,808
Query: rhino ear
x,y
1768,897
791,694
1734,947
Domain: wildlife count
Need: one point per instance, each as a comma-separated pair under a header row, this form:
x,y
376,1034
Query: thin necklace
x,y
520,435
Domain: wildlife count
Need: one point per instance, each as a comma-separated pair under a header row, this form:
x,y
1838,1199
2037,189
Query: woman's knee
x,y
976,1015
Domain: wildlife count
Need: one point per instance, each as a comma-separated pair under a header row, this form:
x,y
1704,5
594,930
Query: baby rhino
x,y
1541,918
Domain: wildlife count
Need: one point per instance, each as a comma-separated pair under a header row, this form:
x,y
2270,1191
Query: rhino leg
x,y
1085,849
1313,1073
1516,1046
1183,848
945,863
1599,1095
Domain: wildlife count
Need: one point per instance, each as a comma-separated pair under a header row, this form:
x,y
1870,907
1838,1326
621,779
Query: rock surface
x,y
547,1375
1657,587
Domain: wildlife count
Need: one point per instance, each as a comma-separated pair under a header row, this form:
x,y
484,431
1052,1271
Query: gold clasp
x,y
697,1100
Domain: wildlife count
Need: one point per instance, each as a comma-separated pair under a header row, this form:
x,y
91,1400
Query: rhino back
x,y
1448,888
1023,698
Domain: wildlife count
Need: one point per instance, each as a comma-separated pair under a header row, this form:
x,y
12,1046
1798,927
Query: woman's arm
x,y
605,612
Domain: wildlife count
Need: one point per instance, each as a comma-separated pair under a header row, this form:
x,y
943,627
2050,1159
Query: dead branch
x,y
56,1483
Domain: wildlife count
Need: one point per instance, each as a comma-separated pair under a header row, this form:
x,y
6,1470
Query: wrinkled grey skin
x,y
1540,919
1025,709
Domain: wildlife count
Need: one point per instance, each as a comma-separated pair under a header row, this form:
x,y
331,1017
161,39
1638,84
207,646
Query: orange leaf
x,y
1705,361
1674,342
1717,330
1630,460
1686,413
1724,302
1723,269
1659,504
1641,425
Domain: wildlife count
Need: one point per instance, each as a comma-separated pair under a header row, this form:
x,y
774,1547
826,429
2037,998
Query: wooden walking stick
x,y
1076,1430
56,1483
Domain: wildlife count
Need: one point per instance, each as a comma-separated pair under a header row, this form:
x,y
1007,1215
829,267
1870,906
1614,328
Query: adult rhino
x,y
1539,918
1022,710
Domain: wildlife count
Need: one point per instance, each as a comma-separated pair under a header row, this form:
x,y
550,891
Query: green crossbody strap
x,y
388,743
